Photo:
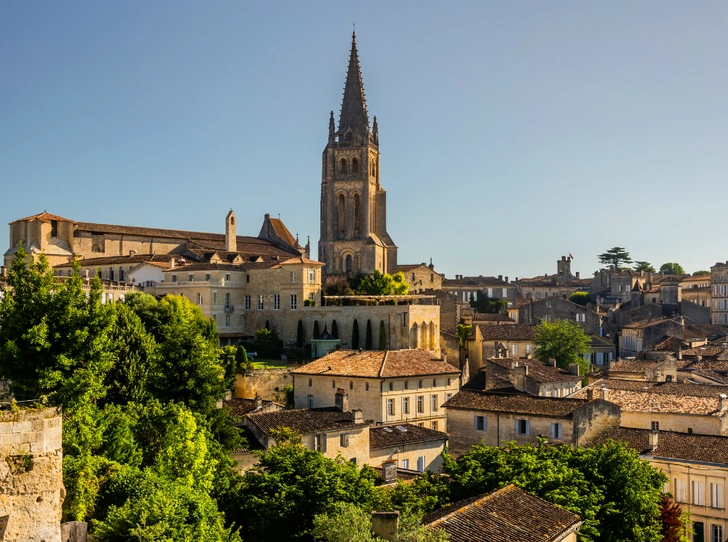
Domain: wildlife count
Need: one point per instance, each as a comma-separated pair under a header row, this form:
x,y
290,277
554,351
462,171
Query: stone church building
x,y
354,236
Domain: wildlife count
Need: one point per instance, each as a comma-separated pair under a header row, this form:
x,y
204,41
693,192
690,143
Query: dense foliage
x,y
615,257
484,304
564,341
379,284
645,267
672,268
580,298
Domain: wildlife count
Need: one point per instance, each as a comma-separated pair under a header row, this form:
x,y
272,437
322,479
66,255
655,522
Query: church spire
x,y
332,128
354,105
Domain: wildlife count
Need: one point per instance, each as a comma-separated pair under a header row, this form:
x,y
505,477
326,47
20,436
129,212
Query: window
x,y
515,350
420,404
419,384
333,384
214,298
247,278
227,277
391,386
434,382
366,386
434,425
310,382
349,264
214,317
351,384
199,299
448,396
311,276
680,491
655,426
227,320
276,302
320,442
405,463
293,277
310,401
54,228
174,278
716,495
434,403
344,440
406,384
480,423
207,277
227,301
121,273
556,430
191,277
421,463
294,300
716,533
260,302
247,302
405,405
354,165
698,490
523,427
111,273
390,407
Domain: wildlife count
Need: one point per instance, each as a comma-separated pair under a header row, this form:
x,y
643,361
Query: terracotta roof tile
x,y
491,317
391,435
467,399
112,260
643,324
513,332
537,370
306,421
378,364
509,514
43,217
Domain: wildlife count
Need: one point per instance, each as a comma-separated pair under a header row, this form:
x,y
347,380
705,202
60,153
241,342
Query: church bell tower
x,y
354,236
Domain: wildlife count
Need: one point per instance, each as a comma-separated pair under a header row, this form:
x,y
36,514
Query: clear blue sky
x,y
511,132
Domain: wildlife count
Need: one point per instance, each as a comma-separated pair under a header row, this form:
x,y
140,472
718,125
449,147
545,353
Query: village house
x,y
411,446
562,284
489,341
642,334
420,277
697,470
391,386
509,513
532,376
466,288
551,309
602,351
497,418
719,291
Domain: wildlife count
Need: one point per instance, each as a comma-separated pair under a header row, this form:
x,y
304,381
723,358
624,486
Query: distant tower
x,y
231,237
354,236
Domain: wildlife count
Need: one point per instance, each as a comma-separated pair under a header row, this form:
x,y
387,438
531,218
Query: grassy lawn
x,y
268,364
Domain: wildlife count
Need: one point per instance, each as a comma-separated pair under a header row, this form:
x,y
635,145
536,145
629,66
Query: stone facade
x,y
354,236
719,286
421,278
556,308
642,334
32,489
467,288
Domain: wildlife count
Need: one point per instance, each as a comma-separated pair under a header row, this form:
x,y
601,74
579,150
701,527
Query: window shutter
x,y
553,430
528,427
475,423
516,428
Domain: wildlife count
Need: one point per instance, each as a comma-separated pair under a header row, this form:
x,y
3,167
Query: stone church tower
x,y
354,236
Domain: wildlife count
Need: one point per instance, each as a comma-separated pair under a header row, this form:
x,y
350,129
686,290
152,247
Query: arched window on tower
x,y
342,165
232,220
342,216
349,264
354,165
348,136
357,204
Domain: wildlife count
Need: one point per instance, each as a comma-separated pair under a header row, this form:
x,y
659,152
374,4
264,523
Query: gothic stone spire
x,y
354,105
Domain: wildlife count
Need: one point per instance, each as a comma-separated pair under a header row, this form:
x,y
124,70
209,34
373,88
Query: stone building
x,y
531,376
562,284
354,236
31,491
467,288
642,334
553,308
421,277
391,387
497,418
489,341
719,286
412,446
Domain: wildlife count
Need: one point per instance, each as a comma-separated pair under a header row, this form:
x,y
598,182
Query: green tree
x,y
645,267
675,521
484,304
334,330
267,343
300,336
463,333
368,341
615,257
379,283
671,268
382,336
316,330
701,273
54,337
355,335
580,298
564,341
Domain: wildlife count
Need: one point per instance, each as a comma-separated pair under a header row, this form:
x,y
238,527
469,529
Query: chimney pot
x,y
389,471
258,401
653,439
357,416
342,400
590,394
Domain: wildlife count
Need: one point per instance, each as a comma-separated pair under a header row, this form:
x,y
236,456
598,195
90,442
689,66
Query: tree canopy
x,y
379,283
701,273
615,257
564,341
645,267
581,298
671,268
484,304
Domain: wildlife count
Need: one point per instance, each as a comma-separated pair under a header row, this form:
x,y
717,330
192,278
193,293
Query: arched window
x,y
348,136
342,220
354,165
357,203
232,220
349,264
342,165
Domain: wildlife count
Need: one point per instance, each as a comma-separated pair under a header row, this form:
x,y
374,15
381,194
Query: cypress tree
x,y
382,336
368,340
355,335
300,338
316,332
267,325
334,330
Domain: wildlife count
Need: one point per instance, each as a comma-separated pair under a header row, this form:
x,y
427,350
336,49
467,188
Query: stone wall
x,y
31,492
267,383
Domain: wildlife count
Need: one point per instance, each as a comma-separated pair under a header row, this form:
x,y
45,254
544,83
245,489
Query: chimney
x,y
384,525
574,369
342,400
552,363
723,401
500,277
358,416
679,351
590,394
171,262
604,394
258,401
506,280
529,355
577,274
389,471
652,440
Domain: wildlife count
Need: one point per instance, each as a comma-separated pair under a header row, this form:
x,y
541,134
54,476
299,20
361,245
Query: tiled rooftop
x,y
538,371
306,421
378,364
509,514
643,324
690,447
239,406
491,317
112,260
467,399
513,332
403,434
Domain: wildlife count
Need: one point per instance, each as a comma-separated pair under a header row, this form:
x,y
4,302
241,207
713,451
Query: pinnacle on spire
x,y
332,128
354,105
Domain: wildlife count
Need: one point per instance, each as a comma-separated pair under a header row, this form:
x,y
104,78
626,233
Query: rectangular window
x,y
480,423
214,298
310,382
523,427
419,384
344,440
390,407
260,302
293,277
434,403
421,463
716,533
366,386
333,384
227,277
54,228
698,490
405,463
406,384
227,301
121,273
405,405
293,302
515,350
655,426
420,404
227,320
320,442
174,278
680,490
311,276
199,299
310,401
276,302
190,278
448,396
716,495
247,303
505,293
434,382
556,430
207,277
391,386
434,425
